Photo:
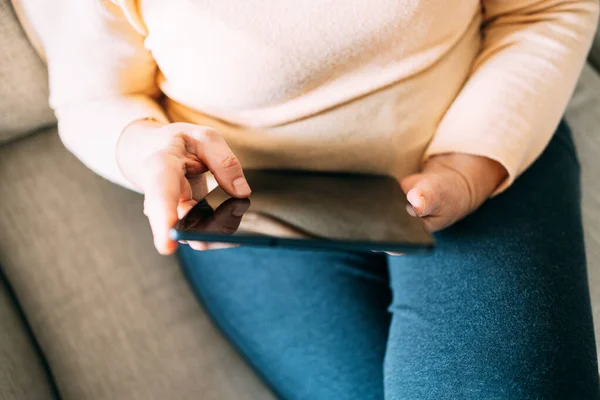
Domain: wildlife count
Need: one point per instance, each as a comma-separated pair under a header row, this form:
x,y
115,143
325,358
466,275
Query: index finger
x,y
213,151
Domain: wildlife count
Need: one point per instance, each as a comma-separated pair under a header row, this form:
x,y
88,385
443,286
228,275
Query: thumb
x,y
162,190
422,192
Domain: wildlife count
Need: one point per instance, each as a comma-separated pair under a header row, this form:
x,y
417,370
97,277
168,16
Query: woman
x,y
456,99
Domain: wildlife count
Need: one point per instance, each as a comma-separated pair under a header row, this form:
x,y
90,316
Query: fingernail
x,y
410,210
241,187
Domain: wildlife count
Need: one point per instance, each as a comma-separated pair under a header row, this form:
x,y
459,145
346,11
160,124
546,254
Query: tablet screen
x,y
331,210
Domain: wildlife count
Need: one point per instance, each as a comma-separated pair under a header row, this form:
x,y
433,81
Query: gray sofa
x,y
88,309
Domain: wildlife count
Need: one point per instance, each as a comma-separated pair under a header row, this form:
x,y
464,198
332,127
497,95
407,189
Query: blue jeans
x,y
500,310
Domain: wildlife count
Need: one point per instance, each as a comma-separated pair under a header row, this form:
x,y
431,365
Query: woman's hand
x,y
450,187
167,162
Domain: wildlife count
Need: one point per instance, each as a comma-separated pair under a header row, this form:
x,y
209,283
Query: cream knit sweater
x,y
353,85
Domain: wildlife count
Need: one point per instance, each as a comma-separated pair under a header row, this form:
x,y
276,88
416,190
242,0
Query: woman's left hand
x,y
450,187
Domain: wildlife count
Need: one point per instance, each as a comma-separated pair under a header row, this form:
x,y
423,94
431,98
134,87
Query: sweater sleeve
x,y
532,54
101,76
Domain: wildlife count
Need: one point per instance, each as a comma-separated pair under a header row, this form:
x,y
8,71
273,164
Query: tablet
x,y
350,212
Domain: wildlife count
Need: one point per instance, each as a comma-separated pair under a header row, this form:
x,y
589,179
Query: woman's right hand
x,y
166,162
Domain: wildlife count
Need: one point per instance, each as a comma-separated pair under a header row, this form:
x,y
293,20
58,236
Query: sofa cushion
x,y
115,320
23,81
22,373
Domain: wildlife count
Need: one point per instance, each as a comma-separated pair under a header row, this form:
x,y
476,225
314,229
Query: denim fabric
x,y
500,310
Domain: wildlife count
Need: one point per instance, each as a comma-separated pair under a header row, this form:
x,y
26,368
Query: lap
x,y
501,309
313,324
